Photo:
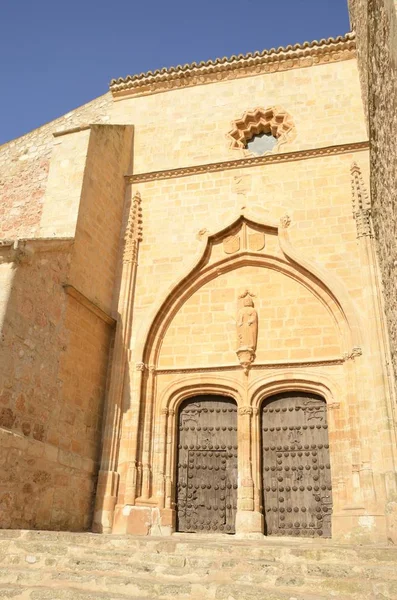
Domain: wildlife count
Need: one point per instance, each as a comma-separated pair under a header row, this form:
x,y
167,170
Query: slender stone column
x,y
161,456
134,468
147,440
108,477
170,462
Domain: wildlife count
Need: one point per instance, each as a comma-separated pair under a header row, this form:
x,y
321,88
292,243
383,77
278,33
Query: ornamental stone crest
x,y
133,232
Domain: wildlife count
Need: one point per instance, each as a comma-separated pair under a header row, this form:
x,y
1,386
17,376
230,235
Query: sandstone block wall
x,y
55,348
24,165
375,22
189,126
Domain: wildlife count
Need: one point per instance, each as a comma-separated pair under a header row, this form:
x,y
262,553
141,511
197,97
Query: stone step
x,y
216,584
88,544
18,592
179,566
65,566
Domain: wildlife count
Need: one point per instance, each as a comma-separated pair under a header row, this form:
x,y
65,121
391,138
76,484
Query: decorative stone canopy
x,y
242,65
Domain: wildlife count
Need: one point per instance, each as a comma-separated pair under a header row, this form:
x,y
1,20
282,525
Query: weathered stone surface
x,y
311,571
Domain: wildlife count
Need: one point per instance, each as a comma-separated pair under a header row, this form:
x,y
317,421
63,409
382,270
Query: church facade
x,y
193,325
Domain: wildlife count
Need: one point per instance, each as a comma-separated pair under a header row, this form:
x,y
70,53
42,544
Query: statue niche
x,y
247,331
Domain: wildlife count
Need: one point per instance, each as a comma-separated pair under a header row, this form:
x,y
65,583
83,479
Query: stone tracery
x,y
273,120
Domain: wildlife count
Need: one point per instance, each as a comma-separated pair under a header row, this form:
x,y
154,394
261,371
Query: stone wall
x,y
57,330
190,126
375,22
24,165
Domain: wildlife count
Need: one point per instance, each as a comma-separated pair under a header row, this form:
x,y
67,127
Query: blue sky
x,y
58,55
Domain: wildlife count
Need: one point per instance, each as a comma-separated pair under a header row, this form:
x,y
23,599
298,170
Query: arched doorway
x,y
207,465
297,491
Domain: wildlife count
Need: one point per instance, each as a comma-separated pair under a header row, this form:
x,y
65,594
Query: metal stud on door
x,y
207,465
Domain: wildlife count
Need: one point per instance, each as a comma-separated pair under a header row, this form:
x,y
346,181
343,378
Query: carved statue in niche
x,y
247,331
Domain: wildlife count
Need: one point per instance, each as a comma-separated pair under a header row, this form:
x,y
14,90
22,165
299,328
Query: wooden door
x,y
296,467
207,465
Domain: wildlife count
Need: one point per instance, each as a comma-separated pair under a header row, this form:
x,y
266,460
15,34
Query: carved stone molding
x,y
243,163
333,405
273,120
267,61
361,203
133,231
22,251
245,410
255,367
164,411
285,221
355,352
140,366
70,290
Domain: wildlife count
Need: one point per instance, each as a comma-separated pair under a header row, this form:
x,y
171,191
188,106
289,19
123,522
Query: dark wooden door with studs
x,y
296,466
207,465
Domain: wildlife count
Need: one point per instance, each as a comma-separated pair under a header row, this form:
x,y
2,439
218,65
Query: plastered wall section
x,y
376,26
24,165
189,126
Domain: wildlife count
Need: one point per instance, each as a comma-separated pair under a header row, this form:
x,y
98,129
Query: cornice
x,y
255,367
256,63
70,290
22,250
243,163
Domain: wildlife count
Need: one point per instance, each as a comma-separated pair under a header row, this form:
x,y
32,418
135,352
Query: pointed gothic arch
x,y
325,286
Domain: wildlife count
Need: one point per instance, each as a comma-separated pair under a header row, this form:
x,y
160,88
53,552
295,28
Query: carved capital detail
x,y
164,411
140,366
285,221
356,351
333,405
245,410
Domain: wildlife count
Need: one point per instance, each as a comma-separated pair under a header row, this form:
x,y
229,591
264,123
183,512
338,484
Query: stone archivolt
x,y
325,287
273,120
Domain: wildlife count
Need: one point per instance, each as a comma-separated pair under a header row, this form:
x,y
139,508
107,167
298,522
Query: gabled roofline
x,y
267,61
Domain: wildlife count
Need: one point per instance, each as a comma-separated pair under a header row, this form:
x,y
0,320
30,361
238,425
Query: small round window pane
x,y
261,143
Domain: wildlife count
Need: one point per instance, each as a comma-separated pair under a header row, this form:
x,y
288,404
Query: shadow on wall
x,y
53,366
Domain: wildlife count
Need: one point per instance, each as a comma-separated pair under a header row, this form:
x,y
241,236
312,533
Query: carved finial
x,y
133,231
285,221
361,202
